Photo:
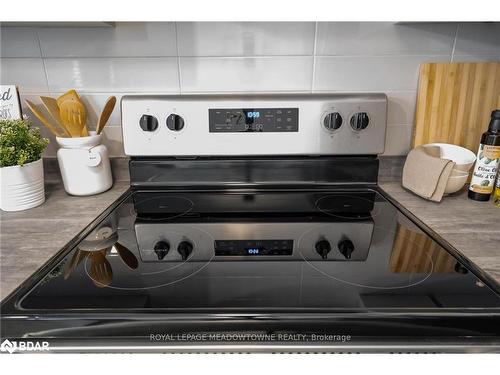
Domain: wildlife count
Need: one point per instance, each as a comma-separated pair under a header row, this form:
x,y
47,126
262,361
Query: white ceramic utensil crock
x,y
22,187
84,164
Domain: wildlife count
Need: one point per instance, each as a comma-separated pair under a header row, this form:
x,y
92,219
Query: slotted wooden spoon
x,y
74,116
100,269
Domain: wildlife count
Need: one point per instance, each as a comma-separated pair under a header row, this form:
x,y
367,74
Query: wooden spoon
x,y
43,120
127,256
53,109
74,116
106,112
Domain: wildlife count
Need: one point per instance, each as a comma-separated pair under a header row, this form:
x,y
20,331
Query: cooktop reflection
x,y
265,251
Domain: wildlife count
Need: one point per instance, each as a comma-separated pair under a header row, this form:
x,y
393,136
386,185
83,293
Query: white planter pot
x,y
22,187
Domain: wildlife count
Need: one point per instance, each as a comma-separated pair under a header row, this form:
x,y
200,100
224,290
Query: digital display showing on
x,y
253,247
262,120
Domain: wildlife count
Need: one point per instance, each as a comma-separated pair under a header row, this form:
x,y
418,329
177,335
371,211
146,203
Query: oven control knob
x,y
148,123
346,247
359,121
323,248
185,248
161,249
332,121
175,122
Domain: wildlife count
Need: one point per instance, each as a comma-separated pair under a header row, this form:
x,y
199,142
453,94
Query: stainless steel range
x,y
255,223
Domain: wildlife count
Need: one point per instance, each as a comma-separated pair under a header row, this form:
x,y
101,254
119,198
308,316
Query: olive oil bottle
x,y
488,158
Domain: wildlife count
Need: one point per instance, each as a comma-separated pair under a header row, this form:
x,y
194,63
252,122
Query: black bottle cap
x,y
495,121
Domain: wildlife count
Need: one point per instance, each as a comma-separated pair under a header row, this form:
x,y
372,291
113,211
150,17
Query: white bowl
x,y
455,183
458,173
464,159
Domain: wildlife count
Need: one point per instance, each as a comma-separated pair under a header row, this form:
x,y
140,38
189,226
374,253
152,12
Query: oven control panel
x,y
315,241
253,125
231,120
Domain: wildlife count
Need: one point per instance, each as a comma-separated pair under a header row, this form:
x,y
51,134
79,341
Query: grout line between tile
x,y
454,43
179,76
313,76
43,60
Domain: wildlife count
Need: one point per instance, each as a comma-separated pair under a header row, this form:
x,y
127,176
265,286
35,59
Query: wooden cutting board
x,y
455,101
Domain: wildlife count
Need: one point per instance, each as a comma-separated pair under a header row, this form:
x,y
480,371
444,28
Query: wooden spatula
x,y
53,109
74,116
69,95
106,112
43,120
100,269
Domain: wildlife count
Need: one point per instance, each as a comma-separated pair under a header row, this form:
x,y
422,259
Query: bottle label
x,y
485,169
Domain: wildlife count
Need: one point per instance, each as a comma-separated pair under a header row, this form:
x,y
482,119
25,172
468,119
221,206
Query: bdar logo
x,y
7,346
23,346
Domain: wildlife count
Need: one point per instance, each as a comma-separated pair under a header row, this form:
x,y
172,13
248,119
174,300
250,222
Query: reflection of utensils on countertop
x,y
100,268
105,114
53,109
39,115
127,256
74,117
78,256
96,248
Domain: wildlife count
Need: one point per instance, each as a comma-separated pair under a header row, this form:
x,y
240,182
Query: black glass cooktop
x,y
260,251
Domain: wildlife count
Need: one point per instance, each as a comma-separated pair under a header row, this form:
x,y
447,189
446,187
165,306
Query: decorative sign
x,y
9,103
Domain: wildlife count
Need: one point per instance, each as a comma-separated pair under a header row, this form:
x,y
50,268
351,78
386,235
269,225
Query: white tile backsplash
x,y
195,57
112,138
157,74
94,104
384,38
206,74
19,42
27,73
130,39
245,38
398,139
478,39
475,58
401,107
370,73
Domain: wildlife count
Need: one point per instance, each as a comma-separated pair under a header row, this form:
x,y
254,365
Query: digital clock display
x,y
253,114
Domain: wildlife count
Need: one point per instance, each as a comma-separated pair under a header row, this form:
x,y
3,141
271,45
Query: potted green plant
x,y
21,167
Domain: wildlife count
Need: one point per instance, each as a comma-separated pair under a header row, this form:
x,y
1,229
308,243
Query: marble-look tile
x,y
245,38
124,39
384,38
19,42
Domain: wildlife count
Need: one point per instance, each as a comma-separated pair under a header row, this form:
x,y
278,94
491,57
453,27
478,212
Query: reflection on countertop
x,y
473,228
29,238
